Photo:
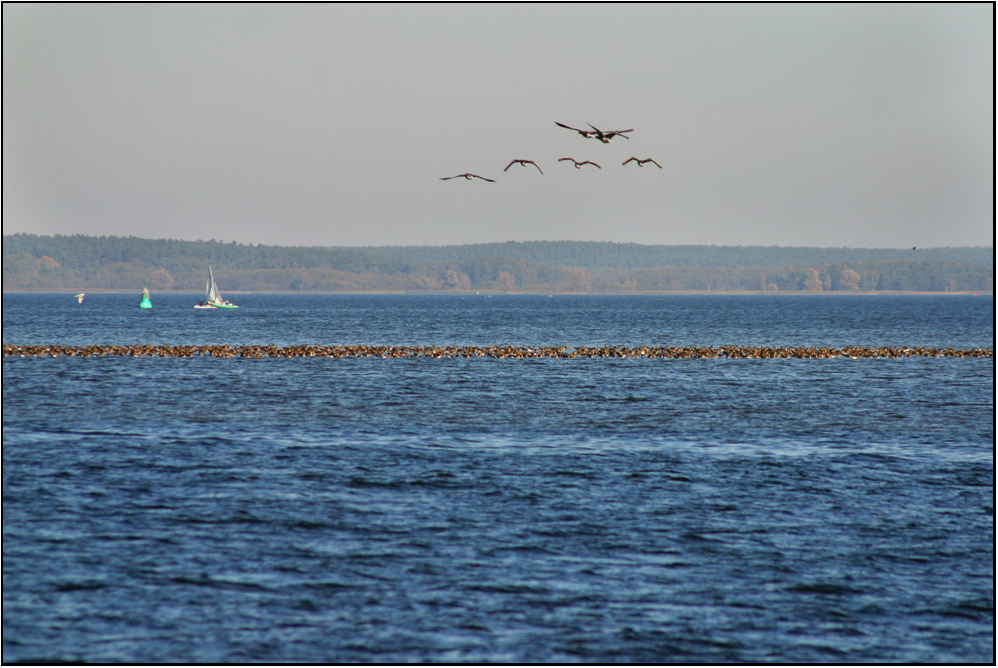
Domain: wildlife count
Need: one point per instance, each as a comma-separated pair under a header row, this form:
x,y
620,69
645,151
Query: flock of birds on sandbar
x,y
603,136
495,351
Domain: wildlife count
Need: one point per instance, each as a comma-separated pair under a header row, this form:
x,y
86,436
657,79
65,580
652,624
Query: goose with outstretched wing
x,y
524,163
606,136
641,163
467,176
588,134
578,165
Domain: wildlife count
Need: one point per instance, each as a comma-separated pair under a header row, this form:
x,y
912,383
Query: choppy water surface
x,y
498,510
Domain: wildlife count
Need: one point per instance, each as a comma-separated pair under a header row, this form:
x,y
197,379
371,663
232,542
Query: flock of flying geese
x,y
604,136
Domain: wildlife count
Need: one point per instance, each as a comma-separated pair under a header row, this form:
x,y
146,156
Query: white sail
x,y
211,294
212,297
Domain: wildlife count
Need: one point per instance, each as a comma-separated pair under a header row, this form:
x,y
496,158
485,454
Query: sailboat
x,y
212,297
80,297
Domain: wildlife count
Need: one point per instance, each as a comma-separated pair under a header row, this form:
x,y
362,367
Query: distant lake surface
x,y
499,510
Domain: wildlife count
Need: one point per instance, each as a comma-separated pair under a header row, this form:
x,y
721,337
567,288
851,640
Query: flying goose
x,y
588,134
578,165
641,163
607,136
524,163
467,176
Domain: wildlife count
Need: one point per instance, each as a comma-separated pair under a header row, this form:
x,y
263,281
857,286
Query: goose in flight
x,y
641,163
607,136
524,163
588,134
578,165
467,176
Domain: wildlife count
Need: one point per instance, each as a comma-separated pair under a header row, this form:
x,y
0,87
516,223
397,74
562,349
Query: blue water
x,y
499,510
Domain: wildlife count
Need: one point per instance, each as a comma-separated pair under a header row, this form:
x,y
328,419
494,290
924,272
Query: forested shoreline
x,y
80,262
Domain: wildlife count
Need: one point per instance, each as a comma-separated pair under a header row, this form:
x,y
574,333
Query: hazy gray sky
x,y
794,125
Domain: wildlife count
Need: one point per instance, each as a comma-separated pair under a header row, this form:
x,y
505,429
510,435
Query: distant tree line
x,y
604,254
33,262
